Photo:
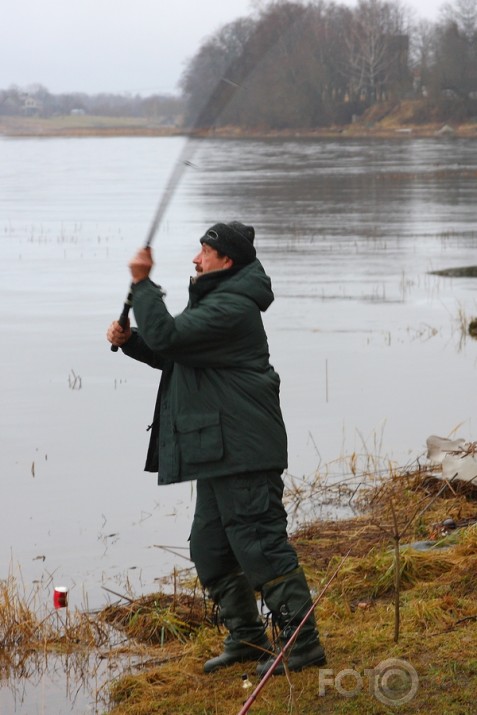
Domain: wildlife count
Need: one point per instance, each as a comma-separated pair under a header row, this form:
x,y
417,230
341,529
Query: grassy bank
x,y
82,126
387,120
430,627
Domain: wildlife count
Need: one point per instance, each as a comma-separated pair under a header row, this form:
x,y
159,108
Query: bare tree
x,y
422,56
455,65
378,46
250,72
464,14
215,71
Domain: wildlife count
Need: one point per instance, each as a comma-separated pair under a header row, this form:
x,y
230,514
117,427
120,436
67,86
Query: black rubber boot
x,y
238,611
289,599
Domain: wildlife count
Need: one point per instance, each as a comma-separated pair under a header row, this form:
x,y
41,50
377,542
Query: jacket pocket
x,y
200,437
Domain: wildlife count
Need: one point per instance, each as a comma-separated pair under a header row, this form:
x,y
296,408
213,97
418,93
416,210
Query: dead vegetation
x,y
171,634
159,618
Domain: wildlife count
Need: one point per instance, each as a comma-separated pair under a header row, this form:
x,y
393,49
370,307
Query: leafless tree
x,y
455,67
464,14
378,45
215,72
422,56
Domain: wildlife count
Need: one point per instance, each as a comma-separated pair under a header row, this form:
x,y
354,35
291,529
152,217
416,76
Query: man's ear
x,y
228,263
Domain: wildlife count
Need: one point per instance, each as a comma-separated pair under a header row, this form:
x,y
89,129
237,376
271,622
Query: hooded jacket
x,y
217,410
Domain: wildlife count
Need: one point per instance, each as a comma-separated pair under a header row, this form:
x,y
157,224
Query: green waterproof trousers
x,y
240,523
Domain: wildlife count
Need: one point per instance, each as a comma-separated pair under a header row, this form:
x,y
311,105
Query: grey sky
x,y
116,45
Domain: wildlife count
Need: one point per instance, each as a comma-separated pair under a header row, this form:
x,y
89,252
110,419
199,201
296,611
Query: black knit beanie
x,y
233,239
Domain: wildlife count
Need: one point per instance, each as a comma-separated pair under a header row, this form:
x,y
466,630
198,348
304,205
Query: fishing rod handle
x,y
123,318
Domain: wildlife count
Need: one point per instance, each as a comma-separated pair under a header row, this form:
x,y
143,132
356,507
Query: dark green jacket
x,y
218,409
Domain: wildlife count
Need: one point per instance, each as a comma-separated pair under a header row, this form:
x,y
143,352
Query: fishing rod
x,y
217,102
290,642
219,99
233,78
182,163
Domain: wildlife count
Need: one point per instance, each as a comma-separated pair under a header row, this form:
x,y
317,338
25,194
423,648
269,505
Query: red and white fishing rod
x,y
290,642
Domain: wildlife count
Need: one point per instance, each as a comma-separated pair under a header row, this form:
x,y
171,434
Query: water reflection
x,y
59,684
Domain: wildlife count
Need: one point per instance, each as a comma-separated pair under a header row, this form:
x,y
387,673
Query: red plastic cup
x,y
60,597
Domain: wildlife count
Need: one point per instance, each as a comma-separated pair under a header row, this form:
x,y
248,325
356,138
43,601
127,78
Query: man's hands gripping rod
x,y
140,266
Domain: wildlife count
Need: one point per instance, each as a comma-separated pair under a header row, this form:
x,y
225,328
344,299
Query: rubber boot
x,y
288,598
238,611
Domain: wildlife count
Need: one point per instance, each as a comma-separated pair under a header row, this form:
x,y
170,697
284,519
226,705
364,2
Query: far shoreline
x,y
109,127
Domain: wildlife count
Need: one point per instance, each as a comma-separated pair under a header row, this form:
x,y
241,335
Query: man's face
x,y
209,260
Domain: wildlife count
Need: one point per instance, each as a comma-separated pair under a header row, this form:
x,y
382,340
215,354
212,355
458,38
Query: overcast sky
x,y
137,46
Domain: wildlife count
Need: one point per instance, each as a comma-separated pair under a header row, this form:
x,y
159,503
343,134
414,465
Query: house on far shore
x,y
31,107
77,112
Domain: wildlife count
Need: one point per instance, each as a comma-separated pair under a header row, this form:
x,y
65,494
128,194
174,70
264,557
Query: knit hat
x,y
233,239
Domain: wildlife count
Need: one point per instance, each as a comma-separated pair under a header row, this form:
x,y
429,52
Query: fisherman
x,y
218,420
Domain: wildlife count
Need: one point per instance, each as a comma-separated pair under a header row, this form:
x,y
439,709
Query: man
x,y
218,420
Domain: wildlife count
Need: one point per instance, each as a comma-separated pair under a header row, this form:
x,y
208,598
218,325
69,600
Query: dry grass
x,y
80,126
159,618
172,635
26,624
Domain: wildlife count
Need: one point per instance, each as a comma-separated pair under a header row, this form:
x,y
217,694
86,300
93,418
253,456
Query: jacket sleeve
x,y
137,349
215,333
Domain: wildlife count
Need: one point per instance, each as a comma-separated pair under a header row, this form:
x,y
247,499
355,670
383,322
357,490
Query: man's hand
x,y
118,336
140,266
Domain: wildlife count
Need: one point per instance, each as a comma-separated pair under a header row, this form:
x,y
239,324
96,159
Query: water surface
x,y
367,342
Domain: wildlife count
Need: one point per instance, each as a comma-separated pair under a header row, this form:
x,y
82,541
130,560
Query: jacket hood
x,y
250,281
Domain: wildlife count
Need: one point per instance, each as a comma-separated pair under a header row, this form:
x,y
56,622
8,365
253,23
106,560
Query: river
x,y
368,342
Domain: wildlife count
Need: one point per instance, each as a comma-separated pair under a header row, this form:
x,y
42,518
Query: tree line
x,y
303,65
